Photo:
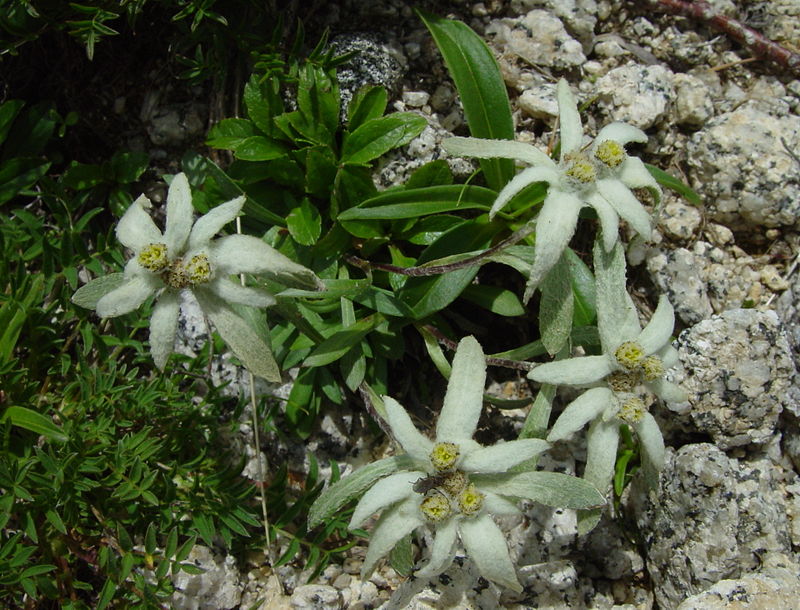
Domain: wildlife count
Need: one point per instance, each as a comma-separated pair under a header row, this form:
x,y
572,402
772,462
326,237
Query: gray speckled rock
x,y
635,94
217,588
693,104
778,588
738,369
712,518
538,38
316,597
377,62
740,164
677,273
580,16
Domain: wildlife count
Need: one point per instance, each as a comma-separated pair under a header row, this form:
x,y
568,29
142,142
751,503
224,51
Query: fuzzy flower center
x,y
444,456
180,274
153,257
470,500
436,506
620,381
632,410
653,368
610,153
629,355
580,168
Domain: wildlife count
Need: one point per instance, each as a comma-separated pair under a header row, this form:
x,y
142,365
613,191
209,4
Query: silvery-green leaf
x,y
385,492
233,292
652,447
617,320
393,525
129,296
627,205
555,307
415,444
498,505
668,391
601,453
572,371
163,327
136,228
441,551
489,149
570,127
246,345
585,408
180,214
353,485
463,400
609,219
502,456
555,226
90,293
548,488
635,174
211,223
525,178
619,132
658,331
486,545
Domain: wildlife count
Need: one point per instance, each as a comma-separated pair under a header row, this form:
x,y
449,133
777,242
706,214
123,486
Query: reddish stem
x,y
754,41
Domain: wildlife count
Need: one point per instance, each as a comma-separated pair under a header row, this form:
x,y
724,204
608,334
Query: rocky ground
x,y
724,529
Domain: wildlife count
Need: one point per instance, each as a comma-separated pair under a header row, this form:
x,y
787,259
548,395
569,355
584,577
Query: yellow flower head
x,y
444,456
153,257
610,153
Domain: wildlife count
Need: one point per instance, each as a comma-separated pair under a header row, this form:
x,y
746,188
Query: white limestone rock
x,y
636,94
742,167
712,518
538,38
738,371
217,588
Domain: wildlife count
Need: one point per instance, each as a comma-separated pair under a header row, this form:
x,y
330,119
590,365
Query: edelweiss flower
x,y
600,175
449,489
622,379
185,257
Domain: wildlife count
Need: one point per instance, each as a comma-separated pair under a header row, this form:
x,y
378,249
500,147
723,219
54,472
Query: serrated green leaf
x,y
480,84
379,136
259,148
304,223
263,103
342,491
228,134
368,103
89,294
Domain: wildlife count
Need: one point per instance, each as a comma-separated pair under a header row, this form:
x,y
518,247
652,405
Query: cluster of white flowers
x,y
600,175
186,257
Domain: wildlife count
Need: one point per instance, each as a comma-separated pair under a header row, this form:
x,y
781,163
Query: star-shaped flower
x,y
185,257
600,175
456,485
622,380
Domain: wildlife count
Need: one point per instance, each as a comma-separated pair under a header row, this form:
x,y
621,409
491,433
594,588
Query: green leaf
x,y
128,166
342,491
259,148
87,295
18,175
538,420
341,342
435,173
583,290
106,594
247,345
150,539
435,352
671,182
33,421
483,93
368,103
401,557
497,300
379,136
55,520
263,102
8,112
204,524
548,488
555,307
228,134
413,203
304,223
